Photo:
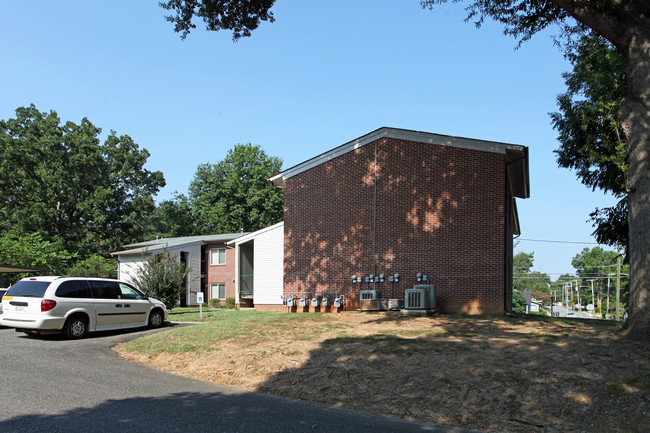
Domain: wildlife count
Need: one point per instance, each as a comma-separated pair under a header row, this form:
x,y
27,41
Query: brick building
x,y
404,202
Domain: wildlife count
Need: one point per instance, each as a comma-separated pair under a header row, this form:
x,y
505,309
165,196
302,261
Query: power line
x,y
557,242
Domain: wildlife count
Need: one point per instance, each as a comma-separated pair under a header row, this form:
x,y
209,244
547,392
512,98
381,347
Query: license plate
x,y
21,308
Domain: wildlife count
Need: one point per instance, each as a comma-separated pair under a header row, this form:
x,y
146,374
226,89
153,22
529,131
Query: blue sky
x,y
323,74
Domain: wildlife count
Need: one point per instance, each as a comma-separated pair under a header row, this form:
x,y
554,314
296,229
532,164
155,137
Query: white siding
x,y
129,264
269,261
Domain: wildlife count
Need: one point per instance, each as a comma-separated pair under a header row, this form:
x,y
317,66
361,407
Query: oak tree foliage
x,y
58,180
591,139
235,194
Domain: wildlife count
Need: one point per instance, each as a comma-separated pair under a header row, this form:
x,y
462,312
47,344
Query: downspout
x,y
374,224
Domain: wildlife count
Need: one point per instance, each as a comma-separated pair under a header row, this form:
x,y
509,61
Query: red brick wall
x,y
270,307
439,211
220,273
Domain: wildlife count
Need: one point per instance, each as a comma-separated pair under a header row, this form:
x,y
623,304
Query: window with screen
x,y
218,256
218,291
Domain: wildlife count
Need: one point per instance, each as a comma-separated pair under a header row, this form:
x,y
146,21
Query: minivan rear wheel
x,y
76,327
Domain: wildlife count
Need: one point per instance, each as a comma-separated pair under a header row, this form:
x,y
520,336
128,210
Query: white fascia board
x,y
253,235
157,248
399,134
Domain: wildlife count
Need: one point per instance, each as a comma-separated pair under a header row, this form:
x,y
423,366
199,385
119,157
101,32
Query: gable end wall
x,y
423,208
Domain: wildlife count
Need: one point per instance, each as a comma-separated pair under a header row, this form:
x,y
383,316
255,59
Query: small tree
x,y
518,303
163,277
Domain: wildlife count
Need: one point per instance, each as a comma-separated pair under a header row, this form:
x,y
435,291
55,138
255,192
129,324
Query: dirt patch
x,y
491,374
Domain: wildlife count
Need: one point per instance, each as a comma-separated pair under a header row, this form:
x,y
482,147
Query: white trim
x,y
252,235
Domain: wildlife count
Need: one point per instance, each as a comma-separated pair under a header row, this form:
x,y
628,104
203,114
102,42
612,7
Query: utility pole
x,y
608,282
593,299
618,281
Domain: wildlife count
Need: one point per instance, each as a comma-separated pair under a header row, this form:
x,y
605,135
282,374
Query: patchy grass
x,y
494,374
219,325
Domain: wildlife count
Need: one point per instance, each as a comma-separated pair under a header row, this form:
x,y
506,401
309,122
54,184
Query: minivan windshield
x,y
28,289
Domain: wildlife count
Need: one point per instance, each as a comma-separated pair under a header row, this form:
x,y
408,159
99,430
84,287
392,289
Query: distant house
x,y
411,203
211,259
532,305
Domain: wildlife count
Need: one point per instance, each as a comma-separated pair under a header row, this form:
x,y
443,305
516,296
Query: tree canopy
x,y
591,140
235,194
242,17
172,218
524,278
32,250
598,264
57,180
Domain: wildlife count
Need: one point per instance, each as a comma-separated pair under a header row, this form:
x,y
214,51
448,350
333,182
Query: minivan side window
x,y
129,292
105,289
74,289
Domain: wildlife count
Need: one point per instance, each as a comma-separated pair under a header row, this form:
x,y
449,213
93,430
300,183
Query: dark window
x,y
28,289
74,289
105,289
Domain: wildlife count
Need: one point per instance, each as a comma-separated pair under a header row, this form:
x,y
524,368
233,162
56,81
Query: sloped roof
x,y
516,155
158,244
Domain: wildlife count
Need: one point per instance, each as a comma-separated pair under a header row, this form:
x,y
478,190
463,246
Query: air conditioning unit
x,y
420,297
370,295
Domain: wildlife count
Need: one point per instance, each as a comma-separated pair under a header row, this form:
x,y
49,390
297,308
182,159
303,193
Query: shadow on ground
x,y
494,374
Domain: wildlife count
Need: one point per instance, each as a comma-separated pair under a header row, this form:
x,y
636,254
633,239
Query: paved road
x,y
49,384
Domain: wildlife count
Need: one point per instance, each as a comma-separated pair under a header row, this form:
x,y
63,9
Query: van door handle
x,y
118,305
127,305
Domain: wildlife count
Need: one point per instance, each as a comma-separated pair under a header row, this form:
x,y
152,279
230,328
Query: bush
x,y
215,303
163,277
230,303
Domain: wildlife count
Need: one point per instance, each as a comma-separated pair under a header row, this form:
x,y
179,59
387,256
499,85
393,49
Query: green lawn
x,y
215,326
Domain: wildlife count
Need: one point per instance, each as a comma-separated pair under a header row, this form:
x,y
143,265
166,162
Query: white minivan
x,y
78,305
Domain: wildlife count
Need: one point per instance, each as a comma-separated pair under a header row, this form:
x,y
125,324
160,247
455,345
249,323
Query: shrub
x,y
230,303
215,303
163,277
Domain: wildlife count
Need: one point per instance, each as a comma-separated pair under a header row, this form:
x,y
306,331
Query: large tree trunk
x,y
635,119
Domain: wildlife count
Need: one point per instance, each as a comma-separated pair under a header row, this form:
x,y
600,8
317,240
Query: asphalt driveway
x,y
50,384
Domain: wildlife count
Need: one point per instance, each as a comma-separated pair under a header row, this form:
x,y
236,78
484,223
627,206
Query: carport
x,y
10,269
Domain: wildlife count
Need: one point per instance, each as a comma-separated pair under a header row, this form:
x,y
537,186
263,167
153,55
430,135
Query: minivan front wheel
x,y
76,327
156,319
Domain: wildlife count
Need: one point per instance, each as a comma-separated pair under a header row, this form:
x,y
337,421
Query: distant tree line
x,y
595,264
